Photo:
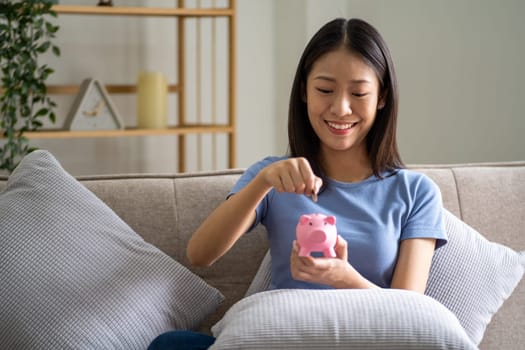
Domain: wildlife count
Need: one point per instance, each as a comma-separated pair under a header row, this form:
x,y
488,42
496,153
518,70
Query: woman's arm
x,y
231,219
413,264
217,234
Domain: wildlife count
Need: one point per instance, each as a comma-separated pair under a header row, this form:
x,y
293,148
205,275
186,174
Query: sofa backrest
x,y
166,210
488,197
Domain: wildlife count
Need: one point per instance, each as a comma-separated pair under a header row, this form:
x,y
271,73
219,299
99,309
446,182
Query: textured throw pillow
x,y
263,277
74,275
339,319
470,275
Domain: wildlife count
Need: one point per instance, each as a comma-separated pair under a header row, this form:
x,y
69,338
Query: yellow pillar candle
x,y
152,101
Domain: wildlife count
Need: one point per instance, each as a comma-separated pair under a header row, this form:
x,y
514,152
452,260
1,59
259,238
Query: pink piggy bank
x,y
316,233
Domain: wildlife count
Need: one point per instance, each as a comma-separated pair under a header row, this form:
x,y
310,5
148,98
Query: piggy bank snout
x,y
318,236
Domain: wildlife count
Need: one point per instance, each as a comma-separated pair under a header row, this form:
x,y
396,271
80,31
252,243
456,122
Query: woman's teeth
x,y
340,126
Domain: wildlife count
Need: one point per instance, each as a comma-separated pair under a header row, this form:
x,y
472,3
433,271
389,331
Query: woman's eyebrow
x,y
324,77
332,79
361,81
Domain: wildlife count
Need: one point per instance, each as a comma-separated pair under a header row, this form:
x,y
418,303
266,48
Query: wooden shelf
x,y
142,11
179,88
176,130
111,88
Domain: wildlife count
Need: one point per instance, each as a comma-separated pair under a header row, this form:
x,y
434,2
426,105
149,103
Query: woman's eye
x,y
324,91
359,94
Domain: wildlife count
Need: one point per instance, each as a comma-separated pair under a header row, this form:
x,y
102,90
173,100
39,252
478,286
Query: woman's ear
x,y
382,100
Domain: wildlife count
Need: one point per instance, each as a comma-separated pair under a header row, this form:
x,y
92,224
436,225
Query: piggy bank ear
x,y
303,220
330,220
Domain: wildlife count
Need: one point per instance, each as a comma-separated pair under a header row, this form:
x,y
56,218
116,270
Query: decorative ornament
x,y
93,109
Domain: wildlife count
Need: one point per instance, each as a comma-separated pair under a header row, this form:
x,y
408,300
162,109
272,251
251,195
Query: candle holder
x,y
152,101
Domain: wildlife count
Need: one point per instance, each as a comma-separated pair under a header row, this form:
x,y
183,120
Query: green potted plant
x,y
26,33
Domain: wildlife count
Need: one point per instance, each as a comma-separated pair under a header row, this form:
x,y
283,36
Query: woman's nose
x,y
341,105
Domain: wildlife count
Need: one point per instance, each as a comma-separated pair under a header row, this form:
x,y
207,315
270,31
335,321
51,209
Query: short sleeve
x,y
425,218
246,178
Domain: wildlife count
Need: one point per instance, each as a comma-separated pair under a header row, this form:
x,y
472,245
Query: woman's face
x,y
342,95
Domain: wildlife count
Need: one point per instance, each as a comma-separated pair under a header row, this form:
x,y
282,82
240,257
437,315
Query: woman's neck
x,y
348,166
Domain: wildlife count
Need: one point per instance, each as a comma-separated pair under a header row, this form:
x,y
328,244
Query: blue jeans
x,y
181,340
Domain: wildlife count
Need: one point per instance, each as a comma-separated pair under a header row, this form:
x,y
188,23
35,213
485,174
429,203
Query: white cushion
x,y
74,275
473,276
339,319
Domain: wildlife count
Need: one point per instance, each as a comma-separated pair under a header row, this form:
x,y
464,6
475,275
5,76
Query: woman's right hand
x,y
293,175
226,224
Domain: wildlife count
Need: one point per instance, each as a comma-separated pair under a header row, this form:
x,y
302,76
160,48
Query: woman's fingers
x,y
341,248
308,178
318,183
294,175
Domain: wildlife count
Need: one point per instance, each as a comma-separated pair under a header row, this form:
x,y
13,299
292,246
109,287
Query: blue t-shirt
x,y
373,216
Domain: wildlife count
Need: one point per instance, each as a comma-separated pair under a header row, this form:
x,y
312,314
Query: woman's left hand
x,y
330,271
335,272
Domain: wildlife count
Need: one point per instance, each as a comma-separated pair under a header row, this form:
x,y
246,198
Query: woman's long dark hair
x,y
362,39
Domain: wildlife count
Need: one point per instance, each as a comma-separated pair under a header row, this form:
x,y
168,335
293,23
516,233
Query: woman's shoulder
x,y
265,162
414,179
408,174
254,169
272,159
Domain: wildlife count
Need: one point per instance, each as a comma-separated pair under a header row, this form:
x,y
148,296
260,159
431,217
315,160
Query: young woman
x,y
343,161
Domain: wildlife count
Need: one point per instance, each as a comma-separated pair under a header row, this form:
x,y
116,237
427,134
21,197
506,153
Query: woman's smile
x,y
340,128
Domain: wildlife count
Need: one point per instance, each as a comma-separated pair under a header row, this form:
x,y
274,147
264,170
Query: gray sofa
x,y
166,209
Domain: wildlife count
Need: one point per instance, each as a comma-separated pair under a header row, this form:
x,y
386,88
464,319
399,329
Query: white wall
x,y
459,66
460,71
256,81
